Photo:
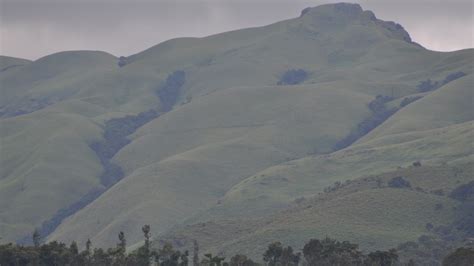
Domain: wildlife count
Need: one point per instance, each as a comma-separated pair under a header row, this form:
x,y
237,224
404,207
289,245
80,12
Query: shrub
x,y
399,182
453,76
429,226
461,257
378,104
122,61
406,101
304,11
427,85
293,77
463,192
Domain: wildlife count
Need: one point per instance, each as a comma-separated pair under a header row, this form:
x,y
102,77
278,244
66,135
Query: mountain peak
x,y
348,13
339,9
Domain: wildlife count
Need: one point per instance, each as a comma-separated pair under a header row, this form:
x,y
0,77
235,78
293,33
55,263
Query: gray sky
x,y
35,28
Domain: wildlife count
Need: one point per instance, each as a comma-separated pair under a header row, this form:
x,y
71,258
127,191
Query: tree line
x,y
323,252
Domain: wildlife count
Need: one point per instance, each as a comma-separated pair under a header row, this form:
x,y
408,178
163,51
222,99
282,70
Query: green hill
x,y
366,210
10,63
205,130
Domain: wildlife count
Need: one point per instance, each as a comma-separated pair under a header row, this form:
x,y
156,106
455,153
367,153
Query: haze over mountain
x,y
228,131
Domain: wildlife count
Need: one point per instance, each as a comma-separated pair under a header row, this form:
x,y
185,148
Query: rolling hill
x,y
227,131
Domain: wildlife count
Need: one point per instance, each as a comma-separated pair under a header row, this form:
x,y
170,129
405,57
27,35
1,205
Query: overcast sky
x,y
35,28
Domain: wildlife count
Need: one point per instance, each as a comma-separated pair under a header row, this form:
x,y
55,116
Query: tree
x,y
142,255
184,259
382,258
195,253
119,252
241,260
167,256
332,252
460,257
100,257
146,233
273,253
211,260
36,238
288,258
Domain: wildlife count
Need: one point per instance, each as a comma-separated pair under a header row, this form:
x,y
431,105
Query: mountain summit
x,y
346,14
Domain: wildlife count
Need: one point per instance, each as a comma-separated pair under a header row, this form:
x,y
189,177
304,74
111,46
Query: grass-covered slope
x,y
49,80
370,211
43,170
195,159
376,216
9,63
52,110
449,105
220,154
236,110
438,143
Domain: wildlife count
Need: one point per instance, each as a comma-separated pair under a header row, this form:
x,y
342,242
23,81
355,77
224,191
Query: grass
x,y
361,212
10,63
235,141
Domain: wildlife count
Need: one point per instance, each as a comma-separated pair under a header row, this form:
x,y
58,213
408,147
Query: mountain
x,y
8,63
227,131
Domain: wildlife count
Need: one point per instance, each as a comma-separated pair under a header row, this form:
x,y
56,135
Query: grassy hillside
x,y
10,63
449,105
213,151
366,210
247,125
195,160
42,170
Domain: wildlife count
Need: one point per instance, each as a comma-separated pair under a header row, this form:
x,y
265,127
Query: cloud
x,y
32,29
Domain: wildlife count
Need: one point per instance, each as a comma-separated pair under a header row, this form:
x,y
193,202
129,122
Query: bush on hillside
x,y
427,85
122,61
463,256
453,76
463,192
293,77
399,182
407,100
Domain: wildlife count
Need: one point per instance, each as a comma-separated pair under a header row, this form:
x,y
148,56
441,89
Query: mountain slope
x,y
204,129
202,156
206,159
9,63
380,218
366,210
444,143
